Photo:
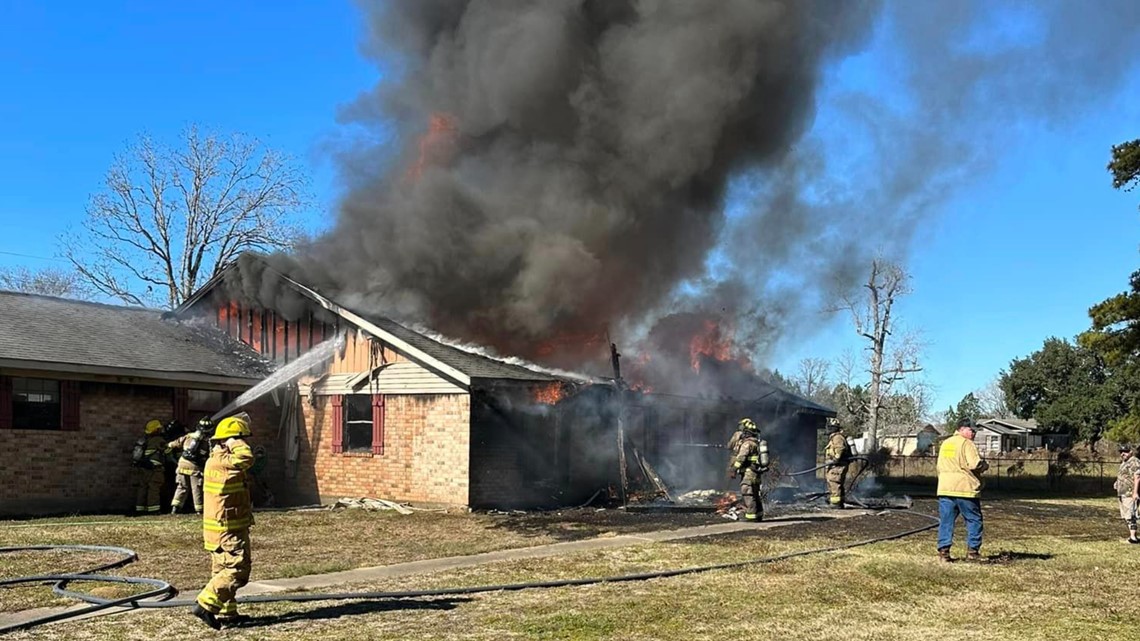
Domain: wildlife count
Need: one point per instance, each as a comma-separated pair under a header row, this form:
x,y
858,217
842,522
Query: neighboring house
x,y
78,381
913,442
999,435
400,414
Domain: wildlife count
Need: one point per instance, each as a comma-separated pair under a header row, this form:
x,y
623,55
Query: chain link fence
x,y
1060,473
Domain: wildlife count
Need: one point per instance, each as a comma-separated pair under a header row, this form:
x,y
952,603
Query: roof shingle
x,y
55,330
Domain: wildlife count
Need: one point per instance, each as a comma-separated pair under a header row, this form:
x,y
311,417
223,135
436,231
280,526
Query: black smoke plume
x,y
542,175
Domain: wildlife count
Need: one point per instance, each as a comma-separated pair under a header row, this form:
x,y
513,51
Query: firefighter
x,y
148,457
195,449
837,455
749,461
226,518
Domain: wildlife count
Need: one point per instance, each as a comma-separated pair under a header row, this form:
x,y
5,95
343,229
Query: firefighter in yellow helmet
x,y
226,518
148,457
749,461
837,455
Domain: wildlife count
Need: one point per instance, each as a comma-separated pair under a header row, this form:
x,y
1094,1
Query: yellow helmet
x,y
231,427
153,426
747,424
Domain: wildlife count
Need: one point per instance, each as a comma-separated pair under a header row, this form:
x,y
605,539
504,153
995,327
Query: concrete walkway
x,y
365,575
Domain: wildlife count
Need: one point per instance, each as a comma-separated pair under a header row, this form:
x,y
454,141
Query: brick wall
x,y
425,459
89,470
48,471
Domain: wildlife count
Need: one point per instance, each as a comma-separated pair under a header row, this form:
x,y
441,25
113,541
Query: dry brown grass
x,y
1059,571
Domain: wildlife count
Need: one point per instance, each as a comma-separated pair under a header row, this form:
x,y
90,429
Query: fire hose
x,y
161,596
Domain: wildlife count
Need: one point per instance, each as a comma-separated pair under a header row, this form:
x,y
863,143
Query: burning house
x,y
403,414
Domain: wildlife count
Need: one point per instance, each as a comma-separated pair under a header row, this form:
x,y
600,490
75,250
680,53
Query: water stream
x,y
287,373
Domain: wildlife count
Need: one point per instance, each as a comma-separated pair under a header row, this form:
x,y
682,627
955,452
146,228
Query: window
x,y
360,418
995,443
358,423
36,404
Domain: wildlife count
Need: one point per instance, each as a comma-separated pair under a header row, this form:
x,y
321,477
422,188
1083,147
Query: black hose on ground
x,y
160,597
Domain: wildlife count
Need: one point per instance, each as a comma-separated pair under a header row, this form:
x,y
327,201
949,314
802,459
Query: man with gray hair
x,y
1128,488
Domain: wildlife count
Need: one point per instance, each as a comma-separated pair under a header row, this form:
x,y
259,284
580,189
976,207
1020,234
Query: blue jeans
x,y
949,507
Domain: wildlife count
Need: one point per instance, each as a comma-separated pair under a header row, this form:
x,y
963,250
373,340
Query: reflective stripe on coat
x,y
226,505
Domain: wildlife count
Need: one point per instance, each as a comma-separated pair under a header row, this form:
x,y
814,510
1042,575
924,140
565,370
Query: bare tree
x,y
812,375
889,359
169,219
993,401
48,281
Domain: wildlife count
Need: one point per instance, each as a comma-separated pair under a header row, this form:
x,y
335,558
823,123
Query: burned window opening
x,y
358,423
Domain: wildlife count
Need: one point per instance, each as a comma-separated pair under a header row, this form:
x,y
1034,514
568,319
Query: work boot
x,y
206,616
944,555
973,556
174,510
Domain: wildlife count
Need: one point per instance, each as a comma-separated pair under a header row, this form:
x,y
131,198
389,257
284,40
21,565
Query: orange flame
x,y
724,502
435,143
714,342
549,394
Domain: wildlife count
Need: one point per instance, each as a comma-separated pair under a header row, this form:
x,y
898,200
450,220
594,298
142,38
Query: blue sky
x,y
1011,258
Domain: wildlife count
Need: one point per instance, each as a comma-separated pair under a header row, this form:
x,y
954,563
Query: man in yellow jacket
x,y
959,487
226,517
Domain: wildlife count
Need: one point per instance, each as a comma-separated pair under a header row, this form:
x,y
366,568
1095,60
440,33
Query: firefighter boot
x,y
973,556
206,616
944,555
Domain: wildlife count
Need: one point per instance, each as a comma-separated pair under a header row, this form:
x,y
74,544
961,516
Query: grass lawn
x,y
1058,570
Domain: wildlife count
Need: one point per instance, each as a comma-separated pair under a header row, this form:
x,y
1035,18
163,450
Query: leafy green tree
x,y
1066,388
969,407
1125,165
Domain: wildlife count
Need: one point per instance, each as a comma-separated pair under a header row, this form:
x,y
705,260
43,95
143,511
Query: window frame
x,y
340,424
67,402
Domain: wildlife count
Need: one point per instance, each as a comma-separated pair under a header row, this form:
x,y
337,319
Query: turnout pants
x,y
148,487
230,564
187,484
836,477
750,497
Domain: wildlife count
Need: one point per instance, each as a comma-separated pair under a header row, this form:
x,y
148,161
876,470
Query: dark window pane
x,y
35,404
358,423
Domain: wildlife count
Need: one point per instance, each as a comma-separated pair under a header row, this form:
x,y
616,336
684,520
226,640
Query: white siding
x,y
397,378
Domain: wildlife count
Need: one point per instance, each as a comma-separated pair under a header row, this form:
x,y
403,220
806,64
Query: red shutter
x,y
338,423
181,405
69,405
377,423
5,403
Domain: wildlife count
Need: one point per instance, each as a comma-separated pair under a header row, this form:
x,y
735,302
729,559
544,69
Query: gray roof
x,y
998,428
775,395
1014,423
471,364
62,332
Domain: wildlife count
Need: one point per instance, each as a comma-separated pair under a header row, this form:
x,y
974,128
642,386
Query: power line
x,y
60,260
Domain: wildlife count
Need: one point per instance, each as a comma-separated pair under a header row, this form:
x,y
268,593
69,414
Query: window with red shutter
x,y
338,424
377,423
36,404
